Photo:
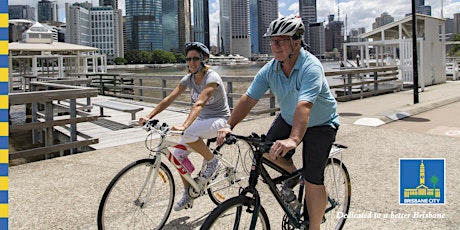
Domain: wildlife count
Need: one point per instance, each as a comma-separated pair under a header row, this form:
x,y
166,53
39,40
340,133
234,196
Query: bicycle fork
x,y
149,179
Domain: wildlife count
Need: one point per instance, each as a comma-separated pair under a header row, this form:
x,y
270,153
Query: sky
x,y
358,13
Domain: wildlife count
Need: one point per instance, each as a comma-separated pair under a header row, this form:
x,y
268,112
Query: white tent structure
x,y
37,56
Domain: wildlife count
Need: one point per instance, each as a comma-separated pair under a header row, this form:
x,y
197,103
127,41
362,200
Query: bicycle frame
x,y
259,169
162,149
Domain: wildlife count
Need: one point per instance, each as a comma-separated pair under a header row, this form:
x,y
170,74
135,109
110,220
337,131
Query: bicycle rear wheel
x,y
234,173
338,187
130,201
236,213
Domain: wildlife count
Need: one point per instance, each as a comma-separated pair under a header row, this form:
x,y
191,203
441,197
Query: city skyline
x,y
358,13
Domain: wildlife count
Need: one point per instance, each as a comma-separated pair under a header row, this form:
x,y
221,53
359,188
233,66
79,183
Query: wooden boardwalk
x,y
117,129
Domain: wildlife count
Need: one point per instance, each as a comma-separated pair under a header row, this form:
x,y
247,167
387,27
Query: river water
x,y
228,70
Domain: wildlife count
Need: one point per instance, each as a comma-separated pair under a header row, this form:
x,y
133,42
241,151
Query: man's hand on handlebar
x,y
281,147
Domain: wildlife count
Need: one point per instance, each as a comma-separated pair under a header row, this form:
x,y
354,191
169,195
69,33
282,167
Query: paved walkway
x,y
64,193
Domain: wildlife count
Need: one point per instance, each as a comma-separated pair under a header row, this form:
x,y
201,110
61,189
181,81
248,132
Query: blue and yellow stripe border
x,y
3,114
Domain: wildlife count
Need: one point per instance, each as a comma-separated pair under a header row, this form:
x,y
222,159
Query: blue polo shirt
x,y
306,83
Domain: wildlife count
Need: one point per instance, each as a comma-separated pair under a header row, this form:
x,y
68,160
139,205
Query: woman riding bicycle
x,y
208,114
307,109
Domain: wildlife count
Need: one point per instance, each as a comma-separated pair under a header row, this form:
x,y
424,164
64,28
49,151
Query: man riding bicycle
x,y
307,110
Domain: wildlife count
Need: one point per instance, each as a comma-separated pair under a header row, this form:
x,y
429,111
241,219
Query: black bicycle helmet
x,y
291,26
197,46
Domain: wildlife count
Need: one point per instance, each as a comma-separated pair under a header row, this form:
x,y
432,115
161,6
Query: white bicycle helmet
x,y
286,26
197,46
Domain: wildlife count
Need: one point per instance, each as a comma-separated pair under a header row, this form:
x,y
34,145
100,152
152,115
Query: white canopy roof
x,y
53,47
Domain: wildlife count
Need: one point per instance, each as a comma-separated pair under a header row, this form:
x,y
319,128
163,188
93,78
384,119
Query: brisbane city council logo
x,y
422,181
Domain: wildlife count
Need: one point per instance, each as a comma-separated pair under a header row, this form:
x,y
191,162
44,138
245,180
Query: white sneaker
x,y
185,202
211,168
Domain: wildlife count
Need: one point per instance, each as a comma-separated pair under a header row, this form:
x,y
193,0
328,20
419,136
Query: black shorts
x,y
317,143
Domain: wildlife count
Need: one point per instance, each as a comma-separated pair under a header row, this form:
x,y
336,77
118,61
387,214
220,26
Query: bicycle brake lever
x,y
230,139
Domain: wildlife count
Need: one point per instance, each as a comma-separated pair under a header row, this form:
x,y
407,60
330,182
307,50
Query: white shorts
x,y
202,128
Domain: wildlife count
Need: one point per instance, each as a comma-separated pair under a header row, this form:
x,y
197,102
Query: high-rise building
x,y
334,34
21,12
354,34
170,26
240,28
261,14
384,19
201,21
313,30
225,26
144,24
421,8
106,31
307,9
78,23
317,39
47,11
456,29
113,3
184,20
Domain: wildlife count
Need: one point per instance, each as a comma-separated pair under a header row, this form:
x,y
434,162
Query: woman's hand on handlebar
x,y
178,128
143,120
281,147
222,134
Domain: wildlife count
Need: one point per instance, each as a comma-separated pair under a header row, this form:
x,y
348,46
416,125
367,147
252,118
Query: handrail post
x,y
376,84
163,85
229,91
140,89
73,126
349,81
49,137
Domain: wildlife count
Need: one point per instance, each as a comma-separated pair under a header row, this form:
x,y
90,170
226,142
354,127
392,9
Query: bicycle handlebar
x,y
254,139
155,124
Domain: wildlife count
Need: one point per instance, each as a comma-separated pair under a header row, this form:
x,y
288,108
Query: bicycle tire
x,y
338,187
229,180
119,207
224,215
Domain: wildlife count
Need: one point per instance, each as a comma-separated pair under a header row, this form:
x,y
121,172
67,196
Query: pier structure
x,y
38,57
392,45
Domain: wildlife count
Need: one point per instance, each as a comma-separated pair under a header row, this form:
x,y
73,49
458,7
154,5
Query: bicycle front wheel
x,y
338,187
234,173
236,213
140,196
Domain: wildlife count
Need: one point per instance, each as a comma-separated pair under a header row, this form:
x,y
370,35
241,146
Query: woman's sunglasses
x,y
192,58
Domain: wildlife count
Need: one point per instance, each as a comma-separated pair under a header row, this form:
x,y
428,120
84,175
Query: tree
x,y
120,61
180,57
162,56
133,56
455,50
146,57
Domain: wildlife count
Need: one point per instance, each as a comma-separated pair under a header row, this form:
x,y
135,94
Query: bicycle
x,y
246,212
142,194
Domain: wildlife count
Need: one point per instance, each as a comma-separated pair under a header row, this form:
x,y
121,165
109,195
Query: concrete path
x,y
64,193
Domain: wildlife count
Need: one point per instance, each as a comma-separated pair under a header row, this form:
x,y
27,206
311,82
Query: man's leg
x,y
280,130
315,198
317,143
